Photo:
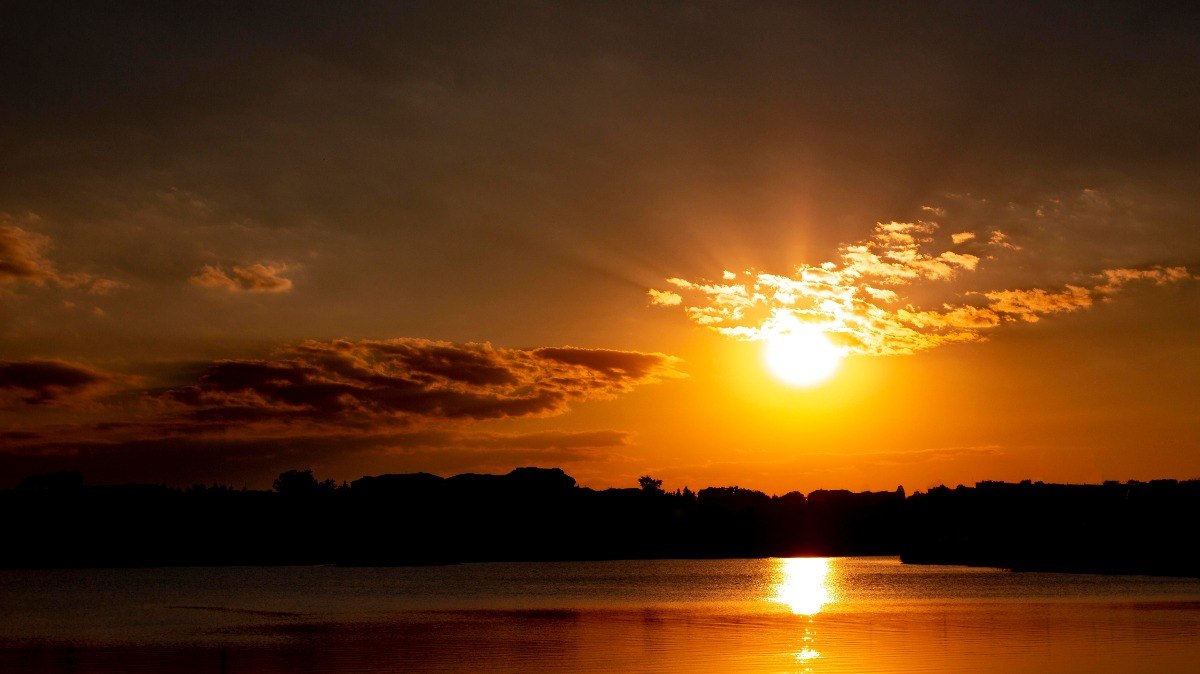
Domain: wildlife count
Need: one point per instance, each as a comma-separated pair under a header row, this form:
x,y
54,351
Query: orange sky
x,y
467,238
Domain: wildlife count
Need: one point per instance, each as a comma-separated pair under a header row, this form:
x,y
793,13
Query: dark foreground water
x,y
770,615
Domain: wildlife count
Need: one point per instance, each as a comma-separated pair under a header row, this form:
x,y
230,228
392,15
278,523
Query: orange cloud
x,y
664,298
260,277
1000,240
23,258
1030,305
1115,279
856,299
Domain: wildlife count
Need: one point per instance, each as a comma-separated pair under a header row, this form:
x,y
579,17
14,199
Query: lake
x,y
752,615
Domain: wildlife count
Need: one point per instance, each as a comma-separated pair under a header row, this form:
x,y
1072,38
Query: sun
x,y
801,356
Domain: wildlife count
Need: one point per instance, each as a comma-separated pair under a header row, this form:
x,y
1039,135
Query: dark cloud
x,y
326,401
403,380
615,365
470,364
47,382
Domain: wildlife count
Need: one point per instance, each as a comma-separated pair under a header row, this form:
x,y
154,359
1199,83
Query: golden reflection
x,y
804,585
806,654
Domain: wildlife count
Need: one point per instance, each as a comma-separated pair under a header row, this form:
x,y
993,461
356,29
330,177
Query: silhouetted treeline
x,y
528,514
541,514
1132,527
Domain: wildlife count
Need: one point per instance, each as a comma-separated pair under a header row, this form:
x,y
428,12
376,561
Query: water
x,y
769,615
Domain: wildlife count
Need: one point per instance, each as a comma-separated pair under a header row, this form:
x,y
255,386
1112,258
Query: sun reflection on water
x,y
803,585
807,654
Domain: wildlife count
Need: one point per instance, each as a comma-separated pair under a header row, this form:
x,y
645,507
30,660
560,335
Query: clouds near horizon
x,y
365,397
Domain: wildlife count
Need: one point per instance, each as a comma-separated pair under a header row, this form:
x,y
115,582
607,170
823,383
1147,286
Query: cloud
x,y
383,389
102,286
404,380
966,317
1001,240
260,277
23,259
856,299
1115,279
47,382
1031,305
621,368
322,399
664,298
894,255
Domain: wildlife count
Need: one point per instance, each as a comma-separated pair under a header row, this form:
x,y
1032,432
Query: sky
x,y
242,238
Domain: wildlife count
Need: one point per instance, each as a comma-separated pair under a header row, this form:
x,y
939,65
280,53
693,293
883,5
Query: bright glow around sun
x,y
802,355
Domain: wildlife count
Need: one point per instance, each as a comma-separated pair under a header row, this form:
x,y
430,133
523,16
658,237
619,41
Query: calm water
x,y
771,615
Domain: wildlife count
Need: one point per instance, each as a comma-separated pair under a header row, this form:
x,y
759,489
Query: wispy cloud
x,y
260,277
1001,240
1030,305
1115,279
859,299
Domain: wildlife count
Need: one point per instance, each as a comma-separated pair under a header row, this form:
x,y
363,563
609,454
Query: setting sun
x,y
802,356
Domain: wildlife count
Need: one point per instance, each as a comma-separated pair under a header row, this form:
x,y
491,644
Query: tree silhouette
x,y
650,484
301,483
